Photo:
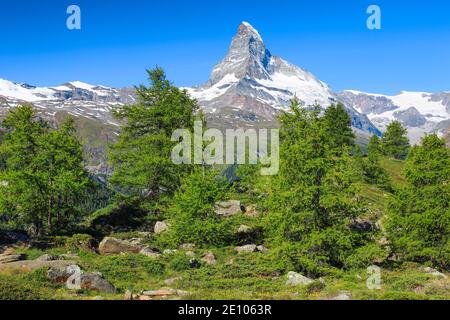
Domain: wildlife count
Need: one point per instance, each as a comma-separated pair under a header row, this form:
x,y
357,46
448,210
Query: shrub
x,y
366,256
192,211
12,288
80,241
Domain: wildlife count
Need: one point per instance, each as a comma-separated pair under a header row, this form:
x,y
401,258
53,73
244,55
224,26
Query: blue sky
x,y
119,39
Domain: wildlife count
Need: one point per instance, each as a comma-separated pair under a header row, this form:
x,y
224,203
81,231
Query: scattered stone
x,y
164,293
228,208
60,274
344,295
70,256
9,258
150,253
135,241
190,254
296,279
251,211
244,229
434,272
172,281
246,248
160,227
89,281
31,265
169,251
144,298
47,257
187,246
262,249
115,246
209,258
95,281
144,234
160,293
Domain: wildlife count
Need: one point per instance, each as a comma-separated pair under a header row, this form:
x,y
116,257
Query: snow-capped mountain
x,y
76,98
251,85
248,88
419,112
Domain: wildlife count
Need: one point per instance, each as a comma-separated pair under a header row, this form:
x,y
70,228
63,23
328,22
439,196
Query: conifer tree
x,y
313,202
419,213
338,126
142,154
43,178
395,142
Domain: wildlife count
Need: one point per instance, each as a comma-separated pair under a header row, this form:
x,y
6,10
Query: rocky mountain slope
x,y
420,112
250,86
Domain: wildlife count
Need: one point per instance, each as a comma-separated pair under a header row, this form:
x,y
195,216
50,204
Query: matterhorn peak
x,y
246,28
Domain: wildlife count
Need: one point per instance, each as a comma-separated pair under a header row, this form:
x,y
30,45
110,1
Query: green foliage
x,y
366,256
313,200
192,210
338,127
179,261
373,172
141,156
374,147
419,213
80,241
43,180
123,270
32,286
123,215
395,142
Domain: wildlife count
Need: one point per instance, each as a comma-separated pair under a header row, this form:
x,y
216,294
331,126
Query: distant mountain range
x,y
248,88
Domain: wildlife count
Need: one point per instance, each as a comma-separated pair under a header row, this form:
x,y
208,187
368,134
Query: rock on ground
x,y
89,281
209,258
172,281
150,253
31,265
228,208
8,258
251,211
111,245
244,229
164,293
434,272
160,227
296,279
246,248
342,296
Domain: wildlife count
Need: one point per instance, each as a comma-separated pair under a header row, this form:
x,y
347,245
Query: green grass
x,y
235,276
395,169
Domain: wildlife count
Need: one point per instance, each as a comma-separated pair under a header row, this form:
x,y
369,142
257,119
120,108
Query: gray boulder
x,y
209,258
160,227
246,248
8,258
296,279
150,253
228,208
93,281
115,246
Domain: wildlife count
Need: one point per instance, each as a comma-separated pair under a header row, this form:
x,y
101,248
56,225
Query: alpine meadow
x,y
260,184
